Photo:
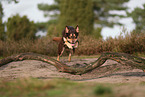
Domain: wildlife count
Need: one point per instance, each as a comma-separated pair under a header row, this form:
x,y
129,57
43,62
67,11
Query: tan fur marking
x,y
58,58
69,58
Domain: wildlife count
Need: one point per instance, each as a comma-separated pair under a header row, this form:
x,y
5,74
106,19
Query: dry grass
x,y
42,46
131,43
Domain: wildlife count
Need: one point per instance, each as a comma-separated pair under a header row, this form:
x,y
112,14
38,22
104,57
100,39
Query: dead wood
x,y
124,59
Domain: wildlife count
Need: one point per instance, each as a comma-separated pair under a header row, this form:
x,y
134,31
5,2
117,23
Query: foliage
x,y
101,90
9,1
97,33
85,13
44,25
48,8
2,33
1,11
20,27
138,18
102,10
80,13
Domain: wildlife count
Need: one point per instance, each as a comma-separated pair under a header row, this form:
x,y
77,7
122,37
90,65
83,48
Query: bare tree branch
x,y
124,59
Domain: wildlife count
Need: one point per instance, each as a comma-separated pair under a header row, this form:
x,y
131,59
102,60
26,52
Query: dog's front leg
x,y
69,58
70,53
58,57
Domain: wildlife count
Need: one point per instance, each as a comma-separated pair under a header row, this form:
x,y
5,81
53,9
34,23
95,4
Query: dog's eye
x,y
70,35
74,35
67,34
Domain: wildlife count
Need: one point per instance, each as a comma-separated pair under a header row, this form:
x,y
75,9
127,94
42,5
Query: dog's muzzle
x,y
70,43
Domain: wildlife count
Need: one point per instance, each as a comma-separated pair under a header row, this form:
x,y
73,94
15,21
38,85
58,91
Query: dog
x,y
69,40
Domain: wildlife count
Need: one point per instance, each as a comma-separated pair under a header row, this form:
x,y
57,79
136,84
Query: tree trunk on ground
x,y
124,59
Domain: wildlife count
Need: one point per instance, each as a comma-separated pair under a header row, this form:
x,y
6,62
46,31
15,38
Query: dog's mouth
x,y
72,44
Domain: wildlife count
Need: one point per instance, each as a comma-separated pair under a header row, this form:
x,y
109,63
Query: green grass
x,y
35,88
65,88
99,90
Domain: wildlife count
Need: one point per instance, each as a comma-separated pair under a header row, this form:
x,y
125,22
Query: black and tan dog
x,y
69,40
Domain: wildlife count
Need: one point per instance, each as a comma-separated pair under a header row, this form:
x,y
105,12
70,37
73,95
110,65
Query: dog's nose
x,y
73,41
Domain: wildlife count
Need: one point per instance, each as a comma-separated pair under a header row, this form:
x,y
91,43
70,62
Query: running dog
x,y
69,40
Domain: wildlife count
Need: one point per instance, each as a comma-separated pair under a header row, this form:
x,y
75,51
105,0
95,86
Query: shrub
x,y
42,46
131,43
101,90
20,27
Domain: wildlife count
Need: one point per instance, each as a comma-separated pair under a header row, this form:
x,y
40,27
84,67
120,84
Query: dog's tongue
x,y
72,44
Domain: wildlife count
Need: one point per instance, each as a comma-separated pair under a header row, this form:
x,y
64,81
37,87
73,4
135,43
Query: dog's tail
x,y
57,39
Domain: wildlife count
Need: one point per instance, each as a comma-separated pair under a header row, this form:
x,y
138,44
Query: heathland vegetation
x,y
130,43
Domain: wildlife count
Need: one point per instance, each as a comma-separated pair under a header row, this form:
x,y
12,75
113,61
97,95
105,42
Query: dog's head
x,y
71,34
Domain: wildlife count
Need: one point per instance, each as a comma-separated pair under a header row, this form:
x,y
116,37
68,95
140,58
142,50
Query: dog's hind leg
x,y
58,57
60,50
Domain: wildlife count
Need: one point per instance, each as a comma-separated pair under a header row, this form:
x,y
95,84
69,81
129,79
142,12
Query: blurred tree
x,y
75,12
2,32
20,27
103,8
1,11
9,1
85,13
68,12
138,18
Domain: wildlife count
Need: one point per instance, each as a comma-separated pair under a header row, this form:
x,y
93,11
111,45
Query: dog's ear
x,y
77,29
66,29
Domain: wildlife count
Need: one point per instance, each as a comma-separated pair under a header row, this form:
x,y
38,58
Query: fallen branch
x,y
124,59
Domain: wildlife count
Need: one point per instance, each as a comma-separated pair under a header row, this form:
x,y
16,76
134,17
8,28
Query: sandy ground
x,y
110,72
